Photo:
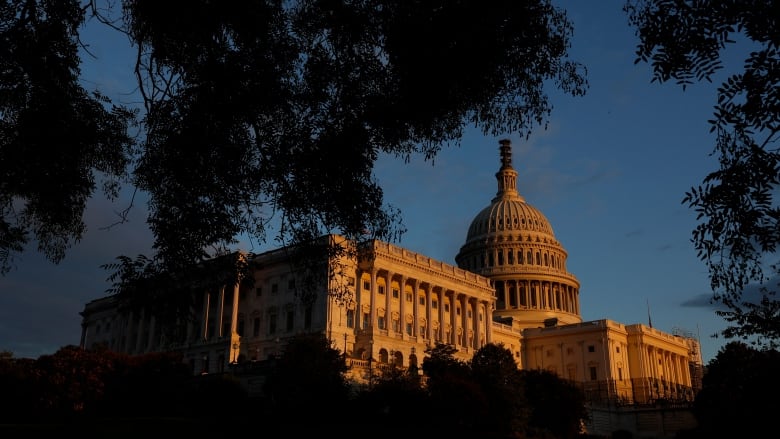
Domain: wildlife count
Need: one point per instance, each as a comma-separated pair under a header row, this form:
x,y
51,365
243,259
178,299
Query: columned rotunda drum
x,y
513,244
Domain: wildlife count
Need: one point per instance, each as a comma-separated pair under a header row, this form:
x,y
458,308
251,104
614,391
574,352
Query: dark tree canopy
x,y
258,107
261,109
57,139
738,231
734,400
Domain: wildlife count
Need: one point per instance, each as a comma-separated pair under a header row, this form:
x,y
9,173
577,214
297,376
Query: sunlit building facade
x,y
384,306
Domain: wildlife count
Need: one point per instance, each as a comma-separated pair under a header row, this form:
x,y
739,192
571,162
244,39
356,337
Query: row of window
x,y
272,325
497,259
408,296
275,287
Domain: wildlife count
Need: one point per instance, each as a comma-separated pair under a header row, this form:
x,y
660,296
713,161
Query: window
x,y
457,310
241,294
620,374
617,349
591,348
409,328
549,352
256,326
272,323
366,320
291,284
274,288
290,320
351,281
469,313
350,318
307,313
396,293
380,321
435,304
569,351
258,291
381,289
446,307
408,297
593,373
240,328
422,300
366,285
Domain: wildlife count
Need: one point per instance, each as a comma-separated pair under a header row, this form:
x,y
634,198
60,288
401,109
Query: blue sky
x,y
609,173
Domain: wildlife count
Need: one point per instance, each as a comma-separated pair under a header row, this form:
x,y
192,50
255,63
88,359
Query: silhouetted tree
x,y
496,371
251,109
57,139
736,399
457,401
557,405
392,405
308,378
739,232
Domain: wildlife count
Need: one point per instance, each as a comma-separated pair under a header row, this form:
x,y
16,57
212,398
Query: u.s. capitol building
x,y
390,304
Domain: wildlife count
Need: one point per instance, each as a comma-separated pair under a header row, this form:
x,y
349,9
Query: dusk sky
x,y
609,174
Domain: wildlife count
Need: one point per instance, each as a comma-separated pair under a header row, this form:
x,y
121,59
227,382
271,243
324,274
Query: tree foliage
x,y
556,405
254,108
58,140
308,378
734,400
266,110
738,231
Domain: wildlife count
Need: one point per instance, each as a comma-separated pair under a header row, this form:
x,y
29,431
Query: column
x,y
488,320
402,306
206,306
388,300
358,293
453,319
442,293
372,314
428,314
477,323
221,311
464,319
416,308
234,315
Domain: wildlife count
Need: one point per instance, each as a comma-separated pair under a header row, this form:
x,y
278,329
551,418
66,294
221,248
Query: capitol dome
x,y
513,244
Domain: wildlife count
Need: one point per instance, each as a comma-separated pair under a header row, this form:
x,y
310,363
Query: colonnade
x,y
465,321
538,294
